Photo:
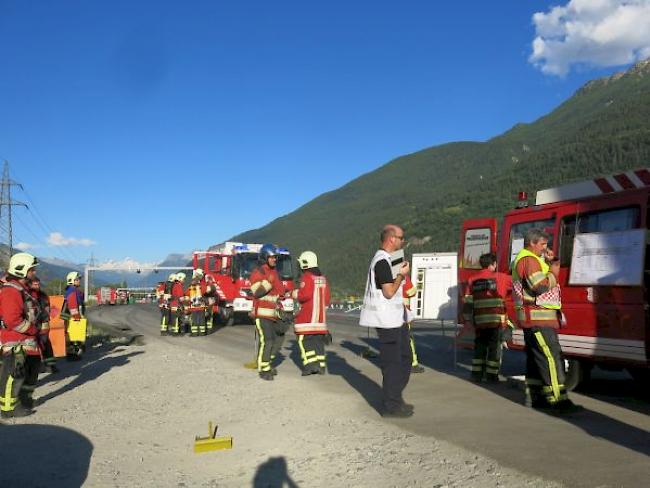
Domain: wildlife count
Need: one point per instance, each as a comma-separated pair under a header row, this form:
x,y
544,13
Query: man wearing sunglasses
x,y
383,309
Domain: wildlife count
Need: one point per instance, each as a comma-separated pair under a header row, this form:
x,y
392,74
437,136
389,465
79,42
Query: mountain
x,y
602,129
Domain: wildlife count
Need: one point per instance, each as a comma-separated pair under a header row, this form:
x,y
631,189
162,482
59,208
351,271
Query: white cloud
x,y
57,239
24,246
591,32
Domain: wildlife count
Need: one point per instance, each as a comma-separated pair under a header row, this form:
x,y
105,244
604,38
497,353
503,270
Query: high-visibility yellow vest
x,y
550,299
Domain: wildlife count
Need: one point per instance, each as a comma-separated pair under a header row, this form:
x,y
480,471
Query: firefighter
x,y
485,309
408,292
196,303
211,302
310,324
267,290
18,339
164,294
73,308
175,305
43,301
537,299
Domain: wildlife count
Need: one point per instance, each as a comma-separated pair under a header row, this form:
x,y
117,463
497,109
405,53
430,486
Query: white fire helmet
x,y
197,273
71,276
21,263
308,260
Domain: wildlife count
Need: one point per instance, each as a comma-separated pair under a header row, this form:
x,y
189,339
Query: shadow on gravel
x,y
369,390
87,369
43,455
273,474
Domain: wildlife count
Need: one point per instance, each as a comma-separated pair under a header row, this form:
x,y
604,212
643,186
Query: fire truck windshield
x,y
244,264
285,267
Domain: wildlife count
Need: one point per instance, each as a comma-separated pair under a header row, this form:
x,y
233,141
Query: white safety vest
x,y
377,310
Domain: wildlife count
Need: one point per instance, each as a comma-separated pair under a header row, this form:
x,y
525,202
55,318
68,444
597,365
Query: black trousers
x,y
271,336
487,353
165,319
312,351
17,379
198,322
544,366
395,360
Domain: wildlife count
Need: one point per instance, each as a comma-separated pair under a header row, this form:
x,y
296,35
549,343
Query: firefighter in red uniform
x,y
164,293
18,339
175,305
43,324
196,303
538,303
267,290
485,309
408,292
310,324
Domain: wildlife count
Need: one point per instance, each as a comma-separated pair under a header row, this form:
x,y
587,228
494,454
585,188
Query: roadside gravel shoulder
x,y
140,407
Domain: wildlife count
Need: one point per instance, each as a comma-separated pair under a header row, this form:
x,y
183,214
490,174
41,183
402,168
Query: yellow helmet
x,y
71,276
180,276
197,273
21,263
308,260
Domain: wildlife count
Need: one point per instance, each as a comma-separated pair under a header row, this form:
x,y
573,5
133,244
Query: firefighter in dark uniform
x,y
536,294
485,310
18,339
310,325
267,289
164,294
197,303
175,305
49,361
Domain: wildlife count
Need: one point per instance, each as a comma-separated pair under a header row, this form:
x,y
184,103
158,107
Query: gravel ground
x,y
128,415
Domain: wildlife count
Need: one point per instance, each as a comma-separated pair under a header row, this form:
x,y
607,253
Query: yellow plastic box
x,y
77,330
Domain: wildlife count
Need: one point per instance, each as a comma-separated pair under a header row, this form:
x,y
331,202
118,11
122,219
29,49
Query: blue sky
x,y
144,128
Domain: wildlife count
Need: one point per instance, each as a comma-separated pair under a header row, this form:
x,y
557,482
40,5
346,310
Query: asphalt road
x,y
607,445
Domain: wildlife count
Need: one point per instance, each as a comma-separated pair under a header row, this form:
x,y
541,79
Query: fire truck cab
x,y
599,230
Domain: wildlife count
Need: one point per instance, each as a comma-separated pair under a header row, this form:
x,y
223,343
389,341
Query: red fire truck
x,y
230,265
106,296
598,228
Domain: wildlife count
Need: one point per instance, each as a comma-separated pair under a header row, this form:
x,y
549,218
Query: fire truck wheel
x,y
641,376
577,372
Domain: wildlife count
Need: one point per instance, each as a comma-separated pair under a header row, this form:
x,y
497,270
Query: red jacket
x,y
19,313
266,282
487,308
313,294
177,294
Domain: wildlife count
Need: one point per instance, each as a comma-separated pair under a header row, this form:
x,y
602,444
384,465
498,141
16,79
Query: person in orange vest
x,y
196,302
485,307
21,356
267,289
408,292
49,361
310,323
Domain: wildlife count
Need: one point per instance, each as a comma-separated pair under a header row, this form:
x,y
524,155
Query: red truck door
x,y
478,237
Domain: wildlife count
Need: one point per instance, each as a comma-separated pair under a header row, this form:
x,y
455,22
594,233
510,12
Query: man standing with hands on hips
x,y
383,309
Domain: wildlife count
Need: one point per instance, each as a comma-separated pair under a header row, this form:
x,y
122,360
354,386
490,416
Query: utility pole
x,y
6,201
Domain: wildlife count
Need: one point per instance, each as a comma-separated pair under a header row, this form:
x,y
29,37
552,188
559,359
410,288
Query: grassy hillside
x,y
602,129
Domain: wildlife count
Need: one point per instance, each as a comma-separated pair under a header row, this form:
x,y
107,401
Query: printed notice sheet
x,y
608,258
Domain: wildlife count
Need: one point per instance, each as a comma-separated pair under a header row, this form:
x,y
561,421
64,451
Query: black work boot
x,y
267,375
17,412
417,369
